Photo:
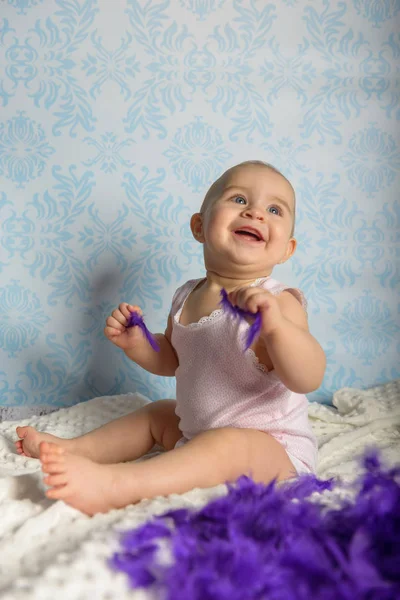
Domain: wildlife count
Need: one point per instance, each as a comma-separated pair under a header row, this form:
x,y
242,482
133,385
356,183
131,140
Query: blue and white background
x,y
116,116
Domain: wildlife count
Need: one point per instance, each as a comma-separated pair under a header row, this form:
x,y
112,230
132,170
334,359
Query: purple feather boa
x,y
268,542
136,320
235,311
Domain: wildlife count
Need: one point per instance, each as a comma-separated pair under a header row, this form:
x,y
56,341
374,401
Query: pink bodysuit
x,y
219,385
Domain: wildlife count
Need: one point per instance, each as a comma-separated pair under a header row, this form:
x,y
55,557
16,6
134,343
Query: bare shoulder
x,y
292,309
168,331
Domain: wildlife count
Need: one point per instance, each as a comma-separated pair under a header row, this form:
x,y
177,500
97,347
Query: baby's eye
x,y
239,200
274,210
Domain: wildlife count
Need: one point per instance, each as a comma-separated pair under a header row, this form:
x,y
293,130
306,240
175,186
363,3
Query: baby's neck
x,y
215,281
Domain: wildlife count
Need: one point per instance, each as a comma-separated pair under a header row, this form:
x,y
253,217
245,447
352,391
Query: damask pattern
x,y
114,122
23,150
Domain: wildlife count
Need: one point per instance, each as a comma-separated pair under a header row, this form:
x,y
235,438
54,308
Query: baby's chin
x,y
246,271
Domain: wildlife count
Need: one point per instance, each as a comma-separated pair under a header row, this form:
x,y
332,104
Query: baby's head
x,y
253,195
217,188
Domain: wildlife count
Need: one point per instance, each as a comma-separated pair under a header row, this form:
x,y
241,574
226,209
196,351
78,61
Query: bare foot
x,y
83,484
30,439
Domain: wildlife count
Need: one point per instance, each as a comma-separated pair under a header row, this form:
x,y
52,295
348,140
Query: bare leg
x,y
213,457
126,438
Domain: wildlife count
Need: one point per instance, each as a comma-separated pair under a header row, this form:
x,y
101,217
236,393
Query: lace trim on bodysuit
x,y
256,361
215,313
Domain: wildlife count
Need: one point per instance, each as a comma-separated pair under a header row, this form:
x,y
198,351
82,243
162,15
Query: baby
x,y
237,412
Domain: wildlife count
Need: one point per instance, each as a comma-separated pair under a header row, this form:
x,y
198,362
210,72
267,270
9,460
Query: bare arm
x,y
164,362
298,359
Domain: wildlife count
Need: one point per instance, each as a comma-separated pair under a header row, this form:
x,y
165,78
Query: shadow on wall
x,y
103,371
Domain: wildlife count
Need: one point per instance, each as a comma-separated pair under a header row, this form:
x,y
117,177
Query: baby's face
x,y
250,223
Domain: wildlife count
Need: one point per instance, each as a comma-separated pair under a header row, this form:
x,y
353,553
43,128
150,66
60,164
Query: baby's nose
x,y
255,212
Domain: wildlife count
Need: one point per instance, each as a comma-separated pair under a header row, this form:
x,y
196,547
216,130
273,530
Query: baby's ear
x,y
196,225
290,250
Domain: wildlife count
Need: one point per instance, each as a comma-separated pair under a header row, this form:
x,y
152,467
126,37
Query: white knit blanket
x,y
49,550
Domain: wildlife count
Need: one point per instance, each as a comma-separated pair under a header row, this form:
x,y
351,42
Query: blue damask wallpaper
x,y
115,117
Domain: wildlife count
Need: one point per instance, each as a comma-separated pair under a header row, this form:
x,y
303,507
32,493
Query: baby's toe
x,y
53,467
43,448
56,480
49,447
49,451
58,493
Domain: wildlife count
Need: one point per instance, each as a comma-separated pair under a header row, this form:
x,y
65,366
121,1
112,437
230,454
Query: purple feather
x,y
235,311
136,320
276,542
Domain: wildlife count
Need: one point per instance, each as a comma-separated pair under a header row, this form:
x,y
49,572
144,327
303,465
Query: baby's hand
x,y
255,299
116,329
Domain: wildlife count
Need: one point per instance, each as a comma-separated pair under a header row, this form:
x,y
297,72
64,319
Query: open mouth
x,y
248,234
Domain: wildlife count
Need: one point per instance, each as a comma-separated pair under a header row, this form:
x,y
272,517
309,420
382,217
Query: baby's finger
x,y
110,332
241,297
118,317
126,309
259,300
116,323
123,307
133,308
234,297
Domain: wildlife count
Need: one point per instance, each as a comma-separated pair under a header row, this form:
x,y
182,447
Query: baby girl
x,y
237,412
